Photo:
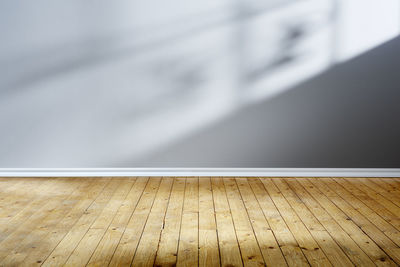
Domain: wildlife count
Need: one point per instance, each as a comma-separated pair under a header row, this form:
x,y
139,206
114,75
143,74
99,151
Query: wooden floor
x,y
199,221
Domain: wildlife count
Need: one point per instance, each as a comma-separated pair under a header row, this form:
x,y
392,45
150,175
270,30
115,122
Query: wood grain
x,y
199,221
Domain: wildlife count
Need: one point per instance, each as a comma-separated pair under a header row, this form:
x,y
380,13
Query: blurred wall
x,y
347,117
102,84
364,24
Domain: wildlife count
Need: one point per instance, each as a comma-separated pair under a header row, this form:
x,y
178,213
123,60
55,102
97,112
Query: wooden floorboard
x,y
199,221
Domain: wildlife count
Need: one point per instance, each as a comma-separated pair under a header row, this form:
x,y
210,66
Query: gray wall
x,y
104,84
346,117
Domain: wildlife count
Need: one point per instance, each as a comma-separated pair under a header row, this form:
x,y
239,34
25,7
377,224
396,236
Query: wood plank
x,y
11,188
8,185
268,244
393,192
395,199
29,228
67,245
16,194
36,251
376,196
189,235
168,246
147,248
332,250
227,240
377,255
372,203
249,248
307,243
82,253
361,221
389,230
126,248
13,218
164,221
394,182
106,247
391,183
352,250
387,184
208,240
288,244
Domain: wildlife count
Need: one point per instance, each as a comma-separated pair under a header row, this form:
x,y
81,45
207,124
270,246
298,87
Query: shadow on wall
x,y
104,85
348,117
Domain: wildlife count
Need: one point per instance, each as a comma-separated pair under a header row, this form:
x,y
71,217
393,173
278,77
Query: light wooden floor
x,y
199,221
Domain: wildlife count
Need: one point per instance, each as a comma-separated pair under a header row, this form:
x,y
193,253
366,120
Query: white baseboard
x,y
271,172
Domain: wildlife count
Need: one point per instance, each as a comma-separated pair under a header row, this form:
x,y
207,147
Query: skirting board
x,y
269,172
